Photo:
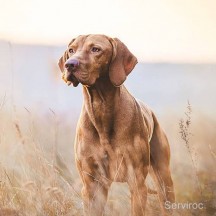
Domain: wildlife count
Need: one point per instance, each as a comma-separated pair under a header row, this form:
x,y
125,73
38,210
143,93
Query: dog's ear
x,y
122,63
62,61
64,58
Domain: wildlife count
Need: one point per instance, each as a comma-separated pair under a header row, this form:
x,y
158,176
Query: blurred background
x,y
174,41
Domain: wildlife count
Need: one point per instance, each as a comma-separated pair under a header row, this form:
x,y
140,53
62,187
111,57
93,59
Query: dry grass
x,y
185,131
38,176
34,178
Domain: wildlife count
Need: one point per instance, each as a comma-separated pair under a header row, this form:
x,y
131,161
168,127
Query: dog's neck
x,y
101,103
102,91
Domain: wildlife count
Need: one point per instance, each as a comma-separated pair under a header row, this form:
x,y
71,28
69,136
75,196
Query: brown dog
x,y
118,138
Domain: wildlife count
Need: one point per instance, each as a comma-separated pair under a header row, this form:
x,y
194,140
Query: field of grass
x,y
38,174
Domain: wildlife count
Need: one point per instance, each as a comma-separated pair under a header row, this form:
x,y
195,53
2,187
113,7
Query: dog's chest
x,y
103,117
109,162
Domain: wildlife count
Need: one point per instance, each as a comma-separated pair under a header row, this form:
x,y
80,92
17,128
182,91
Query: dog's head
x,y
90,57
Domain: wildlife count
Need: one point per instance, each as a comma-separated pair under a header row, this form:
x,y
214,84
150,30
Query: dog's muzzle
x,y
71,66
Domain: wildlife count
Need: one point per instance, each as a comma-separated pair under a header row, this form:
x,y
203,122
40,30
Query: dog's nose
x,y
71,63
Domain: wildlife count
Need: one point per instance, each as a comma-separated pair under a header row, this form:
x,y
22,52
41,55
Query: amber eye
x,y
95,49
71,50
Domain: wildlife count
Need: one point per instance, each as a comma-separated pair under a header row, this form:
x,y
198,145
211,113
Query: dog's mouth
x,y
69,78
72,79
75,77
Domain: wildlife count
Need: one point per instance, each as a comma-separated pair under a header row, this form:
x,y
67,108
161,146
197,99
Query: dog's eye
x,y
95,49
71,50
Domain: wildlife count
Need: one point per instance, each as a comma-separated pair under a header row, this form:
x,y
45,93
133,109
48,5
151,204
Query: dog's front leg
x,y
94,191
94,196
138,191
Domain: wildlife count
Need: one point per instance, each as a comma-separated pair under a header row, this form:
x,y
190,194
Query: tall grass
x,y
38,175
185,131
34,178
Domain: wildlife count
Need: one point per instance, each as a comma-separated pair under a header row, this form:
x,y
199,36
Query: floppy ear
x,y
64,58
122,63
62,61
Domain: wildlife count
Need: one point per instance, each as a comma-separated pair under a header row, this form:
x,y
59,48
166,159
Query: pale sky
x,y
154,30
